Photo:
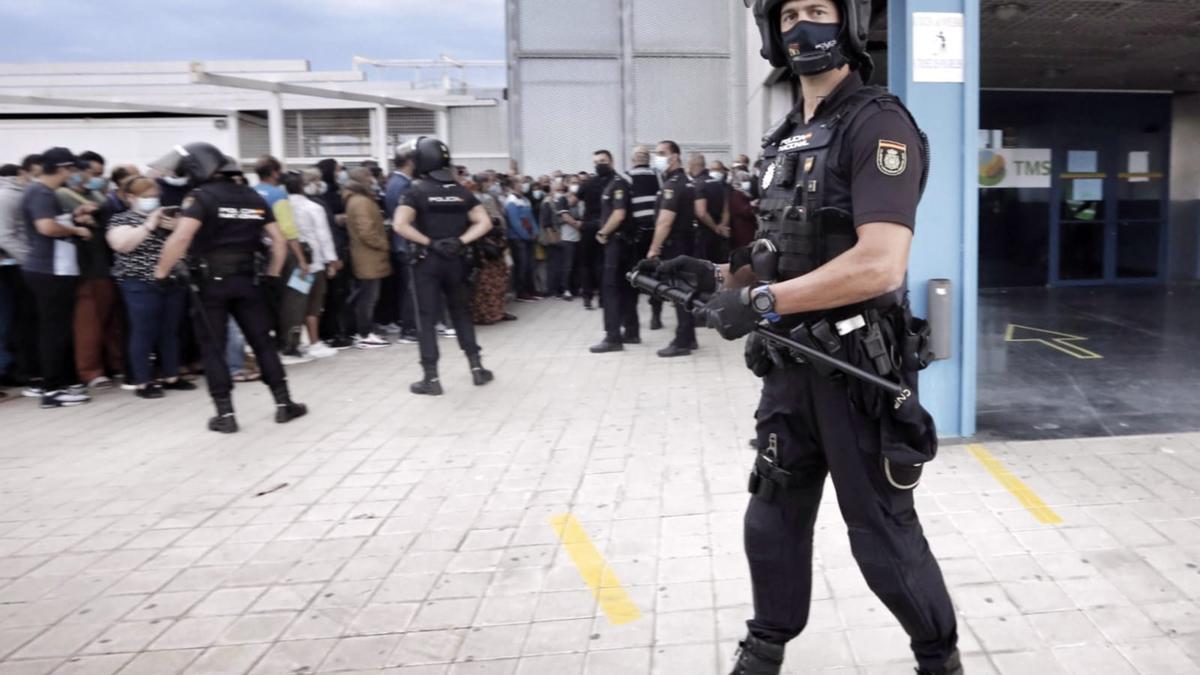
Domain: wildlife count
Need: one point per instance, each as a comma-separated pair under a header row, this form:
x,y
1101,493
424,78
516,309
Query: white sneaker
x,y
566,295
320,351
371,341
33,392
446,331
64,398
100,382
294,359
389,328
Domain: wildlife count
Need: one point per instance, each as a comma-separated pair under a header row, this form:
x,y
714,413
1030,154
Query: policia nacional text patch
x,y
892,158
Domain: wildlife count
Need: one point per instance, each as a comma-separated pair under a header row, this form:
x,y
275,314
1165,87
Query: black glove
x,y
649,267
730,313
699,274
451,247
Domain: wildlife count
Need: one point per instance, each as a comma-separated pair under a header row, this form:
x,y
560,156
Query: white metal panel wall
x,y
681,26
561,26
570,107
120,140
682,99
479,131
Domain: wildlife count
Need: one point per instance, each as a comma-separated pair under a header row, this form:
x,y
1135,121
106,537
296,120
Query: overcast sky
x,y
326,32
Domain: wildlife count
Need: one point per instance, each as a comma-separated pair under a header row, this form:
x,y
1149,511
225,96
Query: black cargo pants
x,y
816,431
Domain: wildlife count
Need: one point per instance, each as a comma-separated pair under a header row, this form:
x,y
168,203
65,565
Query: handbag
x,y
549,236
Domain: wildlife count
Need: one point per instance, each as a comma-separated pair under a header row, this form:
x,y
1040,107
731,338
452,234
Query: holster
x,y
217,265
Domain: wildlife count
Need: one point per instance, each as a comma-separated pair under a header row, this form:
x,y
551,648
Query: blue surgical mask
x,y
343,177
538,194
660,163
494,189
146,204
97,183
75,181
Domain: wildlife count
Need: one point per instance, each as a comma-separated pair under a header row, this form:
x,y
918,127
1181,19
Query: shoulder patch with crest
x,y
891,158
187,202
668,193
618,194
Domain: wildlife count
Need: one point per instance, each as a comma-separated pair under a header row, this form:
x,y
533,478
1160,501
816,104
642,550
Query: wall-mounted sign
x,y
937,46
1014,168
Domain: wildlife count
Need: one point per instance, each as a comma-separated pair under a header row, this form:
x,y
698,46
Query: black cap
x,y
56,158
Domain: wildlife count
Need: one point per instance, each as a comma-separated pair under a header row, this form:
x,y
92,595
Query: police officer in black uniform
x,y
221,226
843,175
674,234
644,184
441,217
622,249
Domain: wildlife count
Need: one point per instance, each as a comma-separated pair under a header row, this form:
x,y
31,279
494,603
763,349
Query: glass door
x,y
1083,217
1141,194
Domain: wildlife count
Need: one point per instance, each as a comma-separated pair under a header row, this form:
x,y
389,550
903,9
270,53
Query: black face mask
x,y
604,170
813,48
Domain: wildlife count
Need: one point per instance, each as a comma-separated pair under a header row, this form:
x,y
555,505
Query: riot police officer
x,y
644,184
674,234
220,228
441,217
619,236
844,172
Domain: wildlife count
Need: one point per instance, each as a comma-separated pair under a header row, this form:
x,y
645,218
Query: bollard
x,y
941,313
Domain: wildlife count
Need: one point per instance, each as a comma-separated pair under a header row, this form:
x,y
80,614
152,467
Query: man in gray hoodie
x,y
13,248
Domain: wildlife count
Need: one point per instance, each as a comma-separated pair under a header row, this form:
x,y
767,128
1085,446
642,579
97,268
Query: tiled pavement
x,y
387,533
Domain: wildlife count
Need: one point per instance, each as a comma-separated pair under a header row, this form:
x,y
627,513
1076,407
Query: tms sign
x,y
1014,168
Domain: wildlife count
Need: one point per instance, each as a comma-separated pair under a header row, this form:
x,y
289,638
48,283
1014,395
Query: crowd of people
x,y
81,310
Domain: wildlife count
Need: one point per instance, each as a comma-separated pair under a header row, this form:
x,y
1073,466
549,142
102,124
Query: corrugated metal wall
x,y
612,73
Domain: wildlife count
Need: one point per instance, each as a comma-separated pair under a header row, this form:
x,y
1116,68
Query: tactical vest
x,y
445,209
806,209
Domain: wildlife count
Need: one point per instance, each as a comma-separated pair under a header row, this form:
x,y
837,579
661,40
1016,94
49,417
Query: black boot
x,y
224,422
952,666
286,410
758,657
656,321
430,386
480,374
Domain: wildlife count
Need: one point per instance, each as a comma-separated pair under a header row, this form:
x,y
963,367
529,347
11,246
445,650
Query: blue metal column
x,y
946,245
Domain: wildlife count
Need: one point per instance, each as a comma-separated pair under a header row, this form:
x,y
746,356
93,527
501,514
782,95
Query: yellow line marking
x,y
1028,498
596,573
1063,342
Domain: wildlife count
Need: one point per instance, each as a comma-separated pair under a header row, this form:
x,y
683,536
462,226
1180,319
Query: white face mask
x,y
746,186
659,163
314,189
524,188
718,176
573,189
538,194
146,204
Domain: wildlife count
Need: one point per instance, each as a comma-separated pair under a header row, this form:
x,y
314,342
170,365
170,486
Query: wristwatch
x,y
762,300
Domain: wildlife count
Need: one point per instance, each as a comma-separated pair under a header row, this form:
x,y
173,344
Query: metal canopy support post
x,y
946,243
441,127
379,135
275,128
232,122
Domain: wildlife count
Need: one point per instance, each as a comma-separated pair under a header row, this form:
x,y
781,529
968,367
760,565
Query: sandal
x,y
247,376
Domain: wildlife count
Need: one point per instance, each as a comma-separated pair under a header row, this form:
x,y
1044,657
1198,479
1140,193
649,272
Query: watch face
x,y
762,301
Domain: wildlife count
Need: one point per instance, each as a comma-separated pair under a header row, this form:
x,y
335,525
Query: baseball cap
x,y
56,158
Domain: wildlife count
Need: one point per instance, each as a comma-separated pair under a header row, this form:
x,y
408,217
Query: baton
x,y
691,300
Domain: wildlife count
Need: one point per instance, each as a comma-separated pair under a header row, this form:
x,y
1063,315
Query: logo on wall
x,y
991,169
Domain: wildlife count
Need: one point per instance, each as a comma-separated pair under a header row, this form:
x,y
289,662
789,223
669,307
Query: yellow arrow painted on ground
x,y
1063,342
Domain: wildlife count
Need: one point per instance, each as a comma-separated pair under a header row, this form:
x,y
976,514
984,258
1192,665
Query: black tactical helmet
x,y
856,26
429,154
198,162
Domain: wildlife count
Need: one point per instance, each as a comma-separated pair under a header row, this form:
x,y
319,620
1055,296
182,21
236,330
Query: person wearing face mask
x,y
712,222
98,324
313,224
51,272
844,172
673,235
590,261
336,320
155,310
742,223
522,233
